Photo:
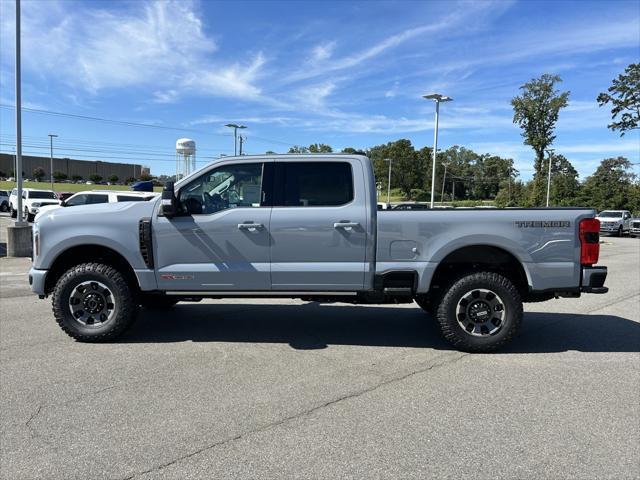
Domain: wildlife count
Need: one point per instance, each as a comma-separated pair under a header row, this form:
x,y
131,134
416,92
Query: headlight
x,y
35,204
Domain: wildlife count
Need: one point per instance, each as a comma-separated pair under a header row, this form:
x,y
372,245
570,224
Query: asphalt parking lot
x,y
288,389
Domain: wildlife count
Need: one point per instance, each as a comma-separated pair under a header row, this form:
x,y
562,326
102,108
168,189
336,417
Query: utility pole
x,y
389,182
51,137
436,97
242,140
550,154
444,178
235,127
509,184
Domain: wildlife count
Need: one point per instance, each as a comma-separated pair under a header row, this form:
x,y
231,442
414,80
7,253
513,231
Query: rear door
x,y
318,226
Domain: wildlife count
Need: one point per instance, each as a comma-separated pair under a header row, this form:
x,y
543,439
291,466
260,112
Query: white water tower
x,y
185,157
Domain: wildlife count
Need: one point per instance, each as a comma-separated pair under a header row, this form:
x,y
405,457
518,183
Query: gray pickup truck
x,y
305,226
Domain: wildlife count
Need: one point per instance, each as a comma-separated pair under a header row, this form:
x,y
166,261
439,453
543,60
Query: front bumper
x,y
36,280
593,280
609,228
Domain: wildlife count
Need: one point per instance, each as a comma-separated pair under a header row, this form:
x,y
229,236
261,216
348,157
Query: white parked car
x,y
89,197
4,200
32,200
617,222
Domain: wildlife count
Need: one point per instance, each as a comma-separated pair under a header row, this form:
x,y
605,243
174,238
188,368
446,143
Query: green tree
x,y
313,148
95,177
320,148
58,176
624,96
610,186
536,112
565,187
270,152
145,178
76,178
113,178
406,173
38,173
353,151
512,195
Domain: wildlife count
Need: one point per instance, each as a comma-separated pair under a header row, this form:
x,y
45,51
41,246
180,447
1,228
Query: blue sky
x,y
298,72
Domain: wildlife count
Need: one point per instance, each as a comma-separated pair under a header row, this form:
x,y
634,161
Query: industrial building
x,y
71,167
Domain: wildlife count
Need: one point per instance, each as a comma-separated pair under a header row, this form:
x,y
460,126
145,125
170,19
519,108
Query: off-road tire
x,y
455,333
125,307
27,216
14,213
157,302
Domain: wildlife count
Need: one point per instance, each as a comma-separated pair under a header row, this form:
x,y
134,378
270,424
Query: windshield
x,y
606,214
42,195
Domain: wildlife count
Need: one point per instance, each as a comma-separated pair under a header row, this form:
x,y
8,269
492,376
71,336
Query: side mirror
x,y
169,201
63,203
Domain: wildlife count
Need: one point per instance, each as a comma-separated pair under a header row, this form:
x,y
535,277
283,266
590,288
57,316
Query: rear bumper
x,y
593,280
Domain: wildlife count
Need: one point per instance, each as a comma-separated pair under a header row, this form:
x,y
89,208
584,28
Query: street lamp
x,y
436,97
51,137
388,183
235,135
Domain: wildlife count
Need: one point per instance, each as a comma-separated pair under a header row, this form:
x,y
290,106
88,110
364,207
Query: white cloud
x,y
322,52
158,44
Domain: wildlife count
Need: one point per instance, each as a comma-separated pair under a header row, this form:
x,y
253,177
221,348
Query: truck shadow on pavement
x,y
316,326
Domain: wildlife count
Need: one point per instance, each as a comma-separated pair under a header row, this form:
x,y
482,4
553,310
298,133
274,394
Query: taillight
x,y
589,241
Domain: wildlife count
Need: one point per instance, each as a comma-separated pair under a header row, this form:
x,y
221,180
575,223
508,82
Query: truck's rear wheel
x,y
92,302
480,312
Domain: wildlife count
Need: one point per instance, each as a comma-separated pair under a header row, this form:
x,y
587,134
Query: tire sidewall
x,y
122,302
498,284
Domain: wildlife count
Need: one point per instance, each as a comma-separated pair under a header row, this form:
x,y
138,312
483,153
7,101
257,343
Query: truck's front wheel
x,y
92,302
480,312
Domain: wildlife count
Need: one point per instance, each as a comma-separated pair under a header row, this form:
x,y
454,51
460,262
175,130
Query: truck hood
x,y
92,214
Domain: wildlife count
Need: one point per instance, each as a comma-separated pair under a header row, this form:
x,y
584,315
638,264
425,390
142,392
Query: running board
x,y
267,293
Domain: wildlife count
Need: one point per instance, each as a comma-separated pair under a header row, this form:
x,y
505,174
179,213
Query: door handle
x,y
252,227
346,225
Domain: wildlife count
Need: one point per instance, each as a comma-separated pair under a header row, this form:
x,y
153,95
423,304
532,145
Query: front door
x,y
220,238
318,226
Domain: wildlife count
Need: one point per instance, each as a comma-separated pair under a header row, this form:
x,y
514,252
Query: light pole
x,y
436,97
550,154
51,137
235,135
389,182
19,219
242,140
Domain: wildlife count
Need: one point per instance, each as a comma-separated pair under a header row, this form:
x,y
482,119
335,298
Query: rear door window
x,y
313,184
